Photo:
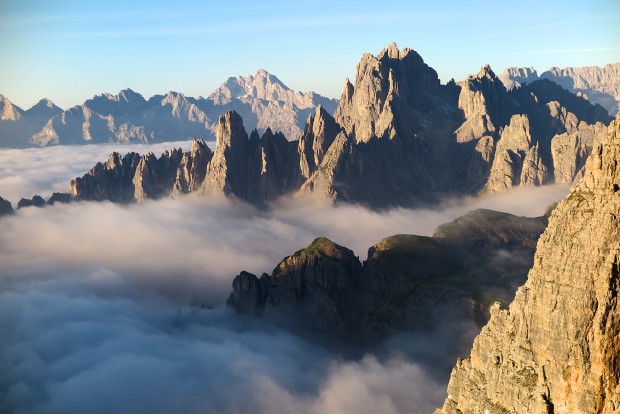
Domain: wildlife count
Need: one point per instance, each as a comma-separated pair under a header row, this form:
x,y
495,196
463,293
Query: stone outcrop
x,y
193,168
406,281
112,180
36,201
555,349
256,170
319,134
600,85
5,207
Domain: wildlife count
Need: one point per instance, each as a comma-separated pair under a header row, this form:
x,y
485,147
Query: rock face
x,y
404,282
599,84
556,349
262,100
17,126
5,207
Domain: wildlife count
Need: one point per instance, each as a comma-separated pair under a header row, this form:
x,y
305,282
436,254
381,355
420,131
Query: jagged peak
x,y
486,72
230,130
9,111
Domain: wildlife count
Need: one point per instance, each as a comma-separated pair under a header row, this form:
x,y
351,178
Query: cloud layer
x,y
105,308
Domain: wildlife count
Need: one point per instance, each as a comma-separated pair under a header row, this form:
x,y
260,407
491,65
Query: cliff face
x,y
556,348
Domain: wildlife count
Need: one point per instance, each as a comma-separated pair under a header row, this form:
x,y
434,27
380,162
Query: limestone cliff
x,y
556,348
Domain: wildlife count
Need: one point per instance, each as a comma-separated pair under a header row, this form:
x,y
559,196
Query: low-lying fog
x,y
100,304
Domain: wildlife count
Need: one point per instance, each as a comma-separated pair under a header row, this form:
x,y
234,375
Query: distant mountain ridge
x,y
599,84
263,100
398,138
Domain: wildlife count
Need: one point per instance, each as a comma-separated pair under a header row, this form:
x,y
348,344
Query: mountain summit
x,y
265,102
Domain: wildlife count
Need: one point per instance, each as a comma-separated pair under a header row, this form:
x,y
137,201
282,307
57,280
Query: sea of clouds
x,y
119,308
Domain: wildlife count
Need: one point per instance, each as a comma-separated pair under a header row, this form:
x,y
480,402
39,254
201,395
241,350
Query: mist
x,y
43,171
120,308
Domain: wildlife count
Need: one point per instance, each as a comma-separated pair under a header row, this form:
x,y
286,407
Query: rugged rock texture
x,y
17,126
263,101
112,180
256,170
193,168
599,84
319,134
506,138
5,207
556,348
406,282
394,93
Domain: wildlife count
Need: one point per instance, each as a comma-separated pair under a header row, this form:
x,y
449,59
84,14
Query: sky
x,y
69,51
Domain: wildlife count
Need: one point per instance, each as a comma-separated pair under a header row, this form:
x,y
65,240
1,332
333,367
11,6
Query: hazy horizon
x,y
69,54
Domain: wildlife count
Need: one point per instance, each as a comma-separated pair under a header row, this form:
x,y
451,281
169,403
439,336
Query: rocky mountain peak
x,y
319,134
8,111
392,82
45,108
230,132
127,95
486,72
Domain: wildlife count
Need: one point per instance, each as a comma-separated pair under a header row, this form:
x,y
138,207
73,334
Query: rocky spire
x,y
555,349
226,173
193,168
8,111
319,134
389,88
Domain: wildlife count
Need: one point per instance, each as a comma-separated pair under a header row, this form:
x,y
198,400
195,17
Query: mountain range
x,y
599,84
397,138
126,117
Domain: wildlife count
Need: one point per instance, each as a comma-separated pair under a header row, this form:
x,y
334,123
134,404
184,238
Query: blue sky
x,y
69,51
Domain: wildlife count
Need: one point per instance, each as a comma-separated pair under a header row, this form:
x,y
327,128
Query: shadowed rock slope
x,y
407,282
556,348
